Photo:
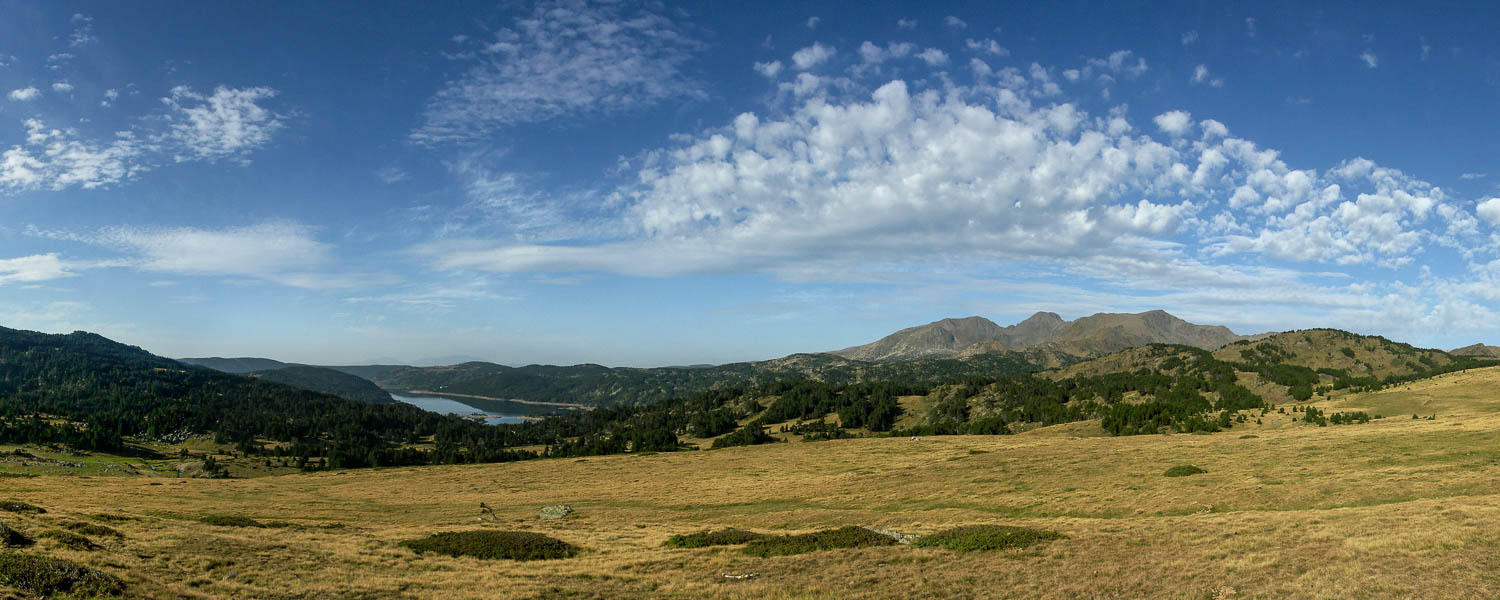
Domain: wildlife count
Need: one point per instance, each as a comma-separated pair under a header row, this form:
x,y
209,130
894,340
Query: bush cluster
x,y
828,539
45,576
21,507
12,537
231,521
512,545
723,537
69,539
973,538
1183,471
92,529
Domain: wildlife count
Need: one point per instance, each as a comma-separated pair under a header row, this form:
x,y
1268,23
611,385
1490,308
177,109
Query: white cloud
x,y
933,57
281,251
227,124
110,95
955,22
1190,37
1489,210
25,94
768,69
37,267
1250,26
566,58
1369,59
1175,123
906,23
1201,75
62,87
986,45
1472,176
83,33
812,56
812,22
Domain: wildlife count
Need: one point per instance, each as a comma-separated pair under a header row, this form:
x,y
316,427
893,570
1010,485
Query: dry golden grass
x,y
1397,508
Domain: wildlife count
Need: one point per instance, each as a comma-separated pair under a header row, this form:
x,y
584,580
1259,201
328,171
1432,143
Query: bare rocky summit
x,y
1477,350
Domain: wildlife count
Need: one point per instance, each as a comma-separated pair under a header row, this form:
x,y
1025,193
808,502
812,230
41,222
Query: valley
x,y
1395,508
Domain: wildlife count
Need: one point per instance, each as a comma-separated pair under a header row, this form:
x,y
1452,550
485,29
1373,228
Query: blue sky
x,y
646,184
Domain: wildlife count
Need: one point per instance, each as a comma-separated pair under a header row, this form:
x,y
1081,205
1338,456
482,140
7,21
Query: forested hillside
x,y
87,391
328,381
597,385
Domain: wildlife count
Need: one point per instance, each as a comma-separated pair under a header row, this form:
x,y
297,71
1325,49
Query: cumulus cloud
x,y
955,22
906,23
1190,37
987,46
933,57
30,269
25,94
878,178
62,87
1489,210
812,56
812,22
1369,59
1175,123
565,58
768,69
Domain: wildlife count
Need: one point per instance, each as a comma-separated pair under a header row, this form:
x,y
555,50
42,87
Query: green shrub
x,y
1183,471
828,539
69,539
21,507
13,537
92,529
512,545
45,576
986,537
724,537
231,521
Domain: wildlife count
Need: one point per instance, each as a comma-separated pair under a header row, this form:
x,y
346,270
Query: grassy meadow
x,y
1395,508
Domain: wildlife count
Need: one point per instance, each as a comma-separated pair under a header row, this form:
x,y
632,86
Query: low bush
x,y
45,576
1183,471
231,521
828,539
69,539
723,537
21,507
111,517
511,545
986,537
92,529
12,537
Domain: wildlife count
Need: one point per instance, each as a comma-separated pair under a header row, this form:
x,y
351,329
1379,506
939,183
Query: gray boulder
x,y
556,511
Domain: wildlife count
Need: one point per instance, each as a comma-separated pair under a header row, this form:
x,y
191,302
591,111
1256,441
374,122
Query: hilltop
x,y
1477,350
1085,337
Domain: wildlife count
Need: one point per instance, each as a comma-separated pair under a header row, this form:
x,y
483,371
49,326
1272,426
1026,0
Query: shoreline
x,y
491,398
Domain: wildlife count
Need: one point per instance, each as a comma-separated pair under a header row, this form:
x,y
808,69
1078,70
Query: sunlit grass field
x,y
1396,508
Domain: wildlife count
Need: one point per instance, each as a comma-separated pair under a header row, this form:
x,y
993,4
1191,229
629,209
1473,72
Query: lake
x,y
454,406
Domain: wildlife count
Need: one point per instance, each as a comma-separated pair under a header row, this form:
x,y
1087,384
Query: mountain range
x,y
1085,337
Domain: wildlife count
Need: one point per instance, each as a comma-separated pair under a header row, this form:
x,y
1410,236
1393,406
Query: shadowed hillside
x,y
328,381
